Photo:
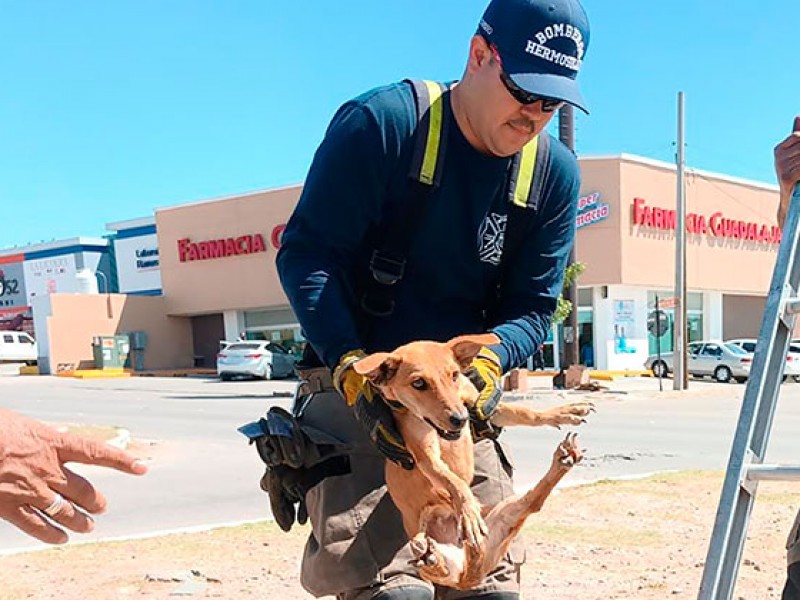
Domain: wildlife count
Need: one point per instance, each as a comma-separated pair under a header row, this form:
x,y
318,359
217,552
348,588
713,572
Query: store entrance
x,y
207,331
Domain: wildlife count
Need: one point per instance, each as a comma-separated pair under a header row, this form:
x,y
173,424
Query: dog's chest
x,y
458,455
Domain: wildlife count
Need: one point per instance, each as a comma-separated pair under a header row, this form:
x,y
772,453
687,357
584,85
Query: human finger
x,y
62,511
74,448
789,169
788,146
80,491
30,521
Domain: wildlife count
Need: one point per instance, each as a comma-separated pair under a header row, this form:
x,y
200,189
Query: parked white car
x,y
792,368
254,358
17,346
713,358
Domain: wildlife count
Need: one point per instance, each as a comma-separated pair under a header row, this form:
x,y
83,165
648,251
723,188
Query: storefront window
x,y
277,326
586,336
694,319
586,350
694,323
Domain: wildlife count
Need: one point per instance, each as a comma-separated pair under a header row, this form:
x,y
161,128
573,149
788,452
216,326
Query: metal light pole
x,y
681,377
566,133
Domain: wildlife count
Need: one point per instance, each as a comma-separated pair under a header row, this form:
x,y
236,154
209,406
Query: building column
x,y
233,321
712,315
601,325
42,308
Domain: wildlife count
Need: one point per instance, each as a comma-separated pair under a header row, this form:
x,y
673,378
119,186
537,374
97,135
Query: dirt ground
x,y
642,540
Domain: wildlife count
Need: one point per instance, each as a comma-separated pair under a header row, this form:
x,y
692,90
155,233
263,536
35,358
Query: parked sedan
x,y
792,368
262,359
717,359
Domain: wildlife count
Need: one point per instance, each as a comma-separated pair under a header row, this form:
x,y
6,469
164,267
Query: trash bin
x,y
138,345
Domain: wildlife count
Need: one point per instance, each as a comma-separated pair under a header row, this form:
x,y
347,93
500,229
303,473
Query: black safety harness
x,y
525,186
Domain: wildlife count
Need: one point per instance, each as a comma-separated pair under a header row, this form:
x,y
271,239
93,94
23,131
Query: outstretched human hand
x,y
35,482
787,168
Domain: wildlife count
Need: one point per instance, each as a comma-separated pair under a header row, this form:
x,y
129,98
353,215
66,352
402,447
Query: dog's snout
x,y
459,420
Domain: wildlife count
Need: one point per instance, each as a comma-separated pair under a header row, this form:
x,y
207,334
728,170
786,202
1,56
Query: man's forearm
x,y
321,305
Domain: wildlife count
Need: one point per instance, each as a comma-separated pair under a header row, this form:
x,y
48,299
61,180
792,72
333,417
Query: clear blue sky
x,y
109,110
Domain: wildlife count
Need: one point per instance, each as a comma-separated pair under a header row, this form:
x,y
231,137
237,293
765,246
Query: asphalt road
x,y
202,471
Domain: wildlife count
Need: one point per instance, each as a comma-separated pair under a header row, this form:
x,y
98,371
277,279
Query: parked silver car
x,y
266,360
712,358
792,367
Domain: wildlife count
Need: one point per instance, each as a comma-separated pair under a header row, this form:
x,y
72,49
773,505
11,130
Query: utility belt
x,y
300,447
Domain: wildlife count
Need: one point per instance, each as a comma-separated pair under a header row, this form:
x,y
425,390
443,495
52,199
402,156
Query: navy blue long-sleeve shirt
x,y
358,182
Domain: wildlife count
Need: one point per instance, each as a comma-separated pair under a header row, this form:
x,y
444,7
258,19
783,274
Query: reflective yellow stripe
x,y
434,133
527,165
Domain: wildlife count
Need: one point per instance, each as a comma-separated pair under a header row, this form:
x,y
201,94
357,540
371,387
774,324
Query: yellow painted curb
x,y
630,373
97,374
26,370
175,372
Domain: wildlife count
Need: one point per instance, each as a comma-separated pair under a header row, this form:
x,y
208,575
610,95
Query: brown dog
x,y
455,546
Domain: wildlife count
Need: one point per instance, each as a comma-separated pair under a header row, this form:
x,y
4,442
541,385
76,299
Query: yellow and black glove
x,y
371,410
485,372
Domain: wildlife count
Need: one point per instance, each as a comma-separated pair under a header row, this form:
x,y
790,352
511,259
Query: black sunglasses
x,y
548,104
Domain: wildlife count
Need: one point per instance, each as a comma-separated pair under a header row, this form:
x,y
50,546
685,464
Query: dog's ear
x,y
466,347
379,368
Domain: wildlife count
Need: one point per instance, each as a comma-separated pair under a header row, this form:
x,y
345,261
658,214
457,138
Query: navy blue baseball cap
x,y
541,44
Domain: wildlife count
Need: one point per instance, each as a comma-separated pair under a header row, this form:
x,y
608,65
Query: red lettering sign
x,y
716,225
277,233
212,249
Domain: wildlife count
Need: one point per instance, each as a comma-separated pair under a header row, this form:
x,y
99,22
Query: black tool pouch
x,y
297,457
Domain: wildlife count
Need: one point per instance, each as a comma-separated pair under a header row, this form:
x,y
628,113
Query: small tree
x,y
571,274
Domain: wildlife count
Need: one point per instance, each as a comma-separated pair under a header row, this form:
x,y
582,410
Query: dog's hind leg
x,y
518,413
505,520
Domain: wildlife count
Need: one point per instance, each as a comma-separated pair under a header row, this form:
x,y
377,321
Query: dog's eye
x,y
419,384
455,375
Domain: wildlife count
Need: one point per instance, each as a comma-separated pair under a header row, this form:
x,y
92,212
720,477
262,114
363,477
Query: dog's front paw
x,y
473,527
574,413
567,454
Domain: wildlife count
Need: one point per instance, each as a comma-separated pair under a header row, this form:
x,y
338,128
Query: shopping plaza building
x,y
192,275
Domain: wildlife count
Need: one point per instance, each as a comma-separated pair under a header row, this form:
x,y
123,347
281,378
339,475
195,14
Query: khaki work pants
x,y
791,591
358,547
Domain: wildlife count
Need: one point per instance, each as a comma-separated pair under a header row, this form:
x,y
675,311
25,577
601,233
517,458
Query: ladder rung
x,y
773,472
792,306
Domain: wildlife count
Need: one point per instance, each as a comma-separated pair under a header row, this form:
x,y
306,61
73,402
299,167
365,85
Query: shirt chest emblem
x,y
491,235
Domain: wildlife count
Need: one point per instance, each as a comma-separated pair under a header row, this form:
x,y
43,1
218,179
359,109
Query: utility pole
x,y
566,133
681,377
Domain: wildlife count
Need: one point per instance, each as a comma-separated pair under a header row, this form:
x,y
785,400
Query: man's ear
x,y
379,368
479,53
466,347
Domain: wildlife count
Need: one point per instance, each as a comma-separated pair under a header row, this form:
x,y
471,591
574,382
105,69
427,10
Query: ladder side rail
x,y
758,405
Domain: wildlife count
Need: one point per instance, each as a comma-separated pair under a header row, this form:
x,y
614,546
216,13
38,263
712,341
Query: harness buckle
x,y
385,269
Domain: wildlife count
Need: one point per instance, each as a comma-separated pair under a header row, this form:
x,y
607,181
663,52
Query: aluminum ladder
x,y
746,467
